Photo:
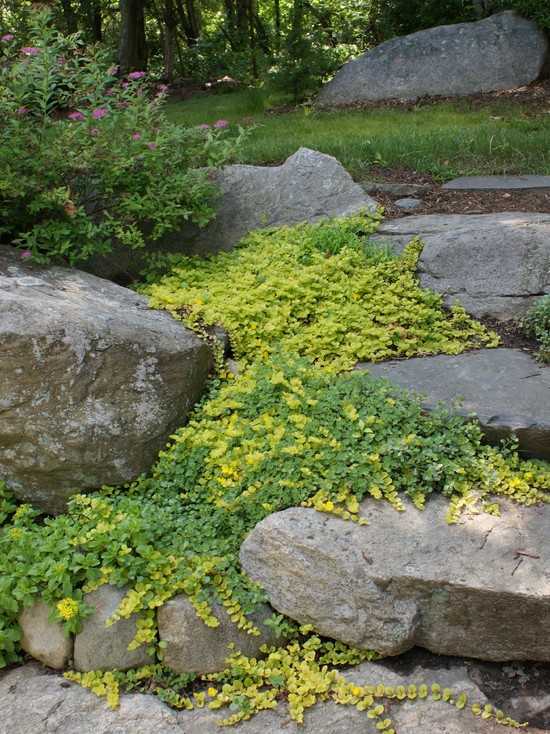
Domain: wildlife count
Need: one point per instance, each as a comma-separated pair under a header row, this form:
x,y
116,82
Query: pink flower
x,y
30,51
136,136
220,124
124,85
152,146
25,254
22,111
94,131
133,76
163,88
113,71
7,37
204,126
76,116
99,113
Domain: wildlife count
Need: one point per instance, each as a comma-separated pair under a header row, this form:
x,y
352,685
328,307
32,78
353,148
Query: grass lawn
x,y
443,139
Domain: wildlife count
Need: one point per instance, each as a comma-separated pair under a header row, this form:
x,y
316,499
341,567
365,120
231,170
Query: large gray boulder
x,y
193,647
501,52
31,700
92,381
505,389
479,588
307,187
101,647
495,265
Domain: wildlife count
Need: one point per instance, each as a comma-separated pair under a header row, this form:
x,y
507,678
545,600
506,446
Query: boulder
x,y
34,701
193,647
479,588
307,187
92,383
504,51
495,265
42,639
98,647
505,389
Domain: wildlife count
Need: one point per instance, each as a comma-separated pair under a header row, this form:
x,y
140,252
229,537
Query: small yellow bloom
x,y
67,608
212,692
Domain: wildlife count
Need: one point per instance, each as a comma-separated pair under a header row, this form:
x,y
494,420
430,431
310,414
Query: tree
x,y
133,46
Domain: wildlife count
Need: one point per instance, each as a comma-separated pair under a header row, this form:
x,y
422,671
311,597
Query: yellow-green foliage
x,y
303,672
320,291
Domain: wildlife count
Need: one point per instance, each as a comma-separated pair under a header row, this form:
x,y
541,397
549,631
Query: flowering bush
x,y
87,160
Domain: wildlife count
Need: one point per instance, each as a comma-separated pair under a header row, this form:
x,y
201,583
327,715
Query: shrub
x,y
537,324
87,160
320,291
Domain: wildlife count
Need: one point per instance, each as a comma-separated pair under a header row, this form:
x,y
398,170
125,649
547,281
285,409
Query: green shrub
x,y
321,291
88,160
537,325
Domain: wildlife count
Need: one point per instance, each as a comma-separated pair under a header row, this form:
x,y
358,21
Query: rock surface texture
x,y
495,265
193,647
505,388
411,580
42,639
498,183
31,700
92,381
101,647
501,52
307,187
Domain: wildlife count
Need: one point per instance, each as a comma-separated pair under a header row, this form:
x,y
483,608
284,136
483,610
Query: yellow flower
x,y
67,608
212,692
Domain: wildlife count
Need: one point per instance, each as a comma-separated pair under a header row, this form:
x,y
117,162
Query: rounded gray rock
x,y
92,381
504,51
98,647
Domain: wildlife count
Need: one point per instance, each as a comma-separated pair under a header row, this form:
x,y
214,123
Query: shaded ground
x,y
501,133
440,201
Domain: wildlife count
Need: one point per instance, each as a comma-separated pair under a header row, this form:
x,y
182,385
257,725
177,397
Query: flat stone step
x,y
506,389
498,183
495,265
479,588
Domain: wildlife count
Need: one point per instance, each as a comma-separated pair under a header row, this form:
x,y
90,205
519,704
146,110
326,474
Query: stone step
x,y
506,389
495,265
498,183
34,700
479,588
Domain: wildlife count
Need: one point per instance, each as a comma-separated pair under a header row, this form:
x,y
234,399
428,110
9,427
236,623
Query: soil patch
x,y
440,201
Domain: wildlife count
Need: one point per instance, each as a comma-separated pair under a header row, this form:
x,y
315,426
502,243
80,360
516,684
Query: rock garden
x,y
274,456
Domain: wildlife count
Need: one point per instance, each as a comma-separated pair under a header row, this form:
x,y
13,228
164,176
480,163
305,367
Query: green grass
x,y
444,139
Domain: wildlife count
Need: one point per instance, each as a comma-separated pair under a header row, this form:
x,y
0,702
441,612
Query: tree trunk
x,y
133,46
169,38
70,16
96,20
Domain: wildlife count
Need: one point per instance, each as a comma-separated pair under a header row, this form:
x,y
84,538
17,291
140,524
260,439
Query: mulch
x,y
440,201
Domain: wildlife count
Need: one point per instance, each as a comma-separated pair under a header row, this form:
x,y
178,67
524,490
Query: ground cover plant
x,y
444,139
288,430
284,433
321,291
